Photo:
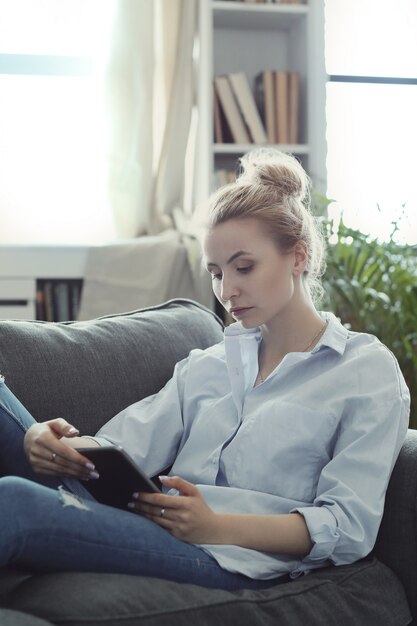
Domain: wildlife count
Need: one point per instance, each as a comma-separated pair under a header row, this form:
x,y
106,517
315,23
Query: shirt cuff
x,y
100,440
322,526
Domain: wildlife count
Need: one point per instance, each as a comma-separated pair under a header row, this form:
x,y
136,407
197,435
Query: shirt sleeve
x,y
150,430
344,518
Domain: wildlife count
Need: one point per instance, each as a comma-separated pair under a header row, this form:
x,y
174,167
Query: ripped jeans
x,y
52,523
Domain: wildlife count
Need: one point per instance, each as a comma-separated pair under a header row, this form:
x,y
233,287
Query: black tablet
x,y
119,478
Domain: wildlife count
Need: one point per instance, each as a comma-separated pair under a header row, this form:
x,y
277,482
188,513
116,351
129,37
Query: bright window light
x,y
52,127
371,127
371,156
371,37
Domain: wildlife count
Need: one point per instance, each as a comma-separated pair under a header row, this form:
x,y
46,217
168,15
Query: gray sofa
x,y
88,371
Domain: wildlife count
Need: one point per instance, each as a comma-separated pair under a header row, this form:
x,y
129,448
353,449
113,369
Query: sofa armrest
x,y
396,544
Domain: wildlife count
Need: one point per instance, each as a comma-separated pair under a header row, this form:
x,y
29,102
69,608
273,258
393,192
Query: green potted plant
x,y
371,286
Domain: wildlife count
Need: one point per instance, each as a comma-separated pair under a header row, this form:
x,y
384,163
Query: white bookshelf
x,y
239,148
237,36
21,266
260,16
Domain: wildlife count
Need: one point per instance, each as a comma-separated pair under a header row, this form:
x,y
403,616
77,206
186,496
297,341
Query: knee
x,y
15,489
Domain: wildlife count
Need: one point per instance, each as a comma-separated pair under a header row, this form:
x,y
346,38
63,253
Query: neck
x,y
292,330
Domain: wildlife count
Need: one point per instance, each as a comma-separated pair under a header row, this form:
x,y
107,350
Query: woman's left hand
x,y
187,517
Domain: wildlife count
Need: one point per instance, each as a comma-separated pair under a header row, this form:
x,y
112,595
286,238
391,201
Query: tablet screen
x,y
119,477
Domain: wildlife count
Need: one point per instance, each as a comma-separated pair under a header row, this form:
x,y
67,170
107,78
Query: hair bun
x,y
269,166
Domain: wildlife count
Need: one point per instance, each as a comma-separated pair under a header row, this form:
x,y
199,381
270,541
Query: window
x,y
52,149
371,59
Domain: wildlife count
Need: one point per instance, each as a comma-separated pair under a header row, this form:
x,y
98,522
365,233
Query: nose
x,y
228,289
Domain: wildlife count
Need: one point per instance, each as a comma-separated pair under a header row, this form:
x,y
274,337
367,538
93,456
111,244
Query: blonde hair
x,y
273,188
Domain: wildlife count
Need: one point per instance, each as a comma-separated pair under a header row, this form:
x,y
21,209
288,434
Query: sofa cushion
x,y
365,592
16,618
87,371
396,544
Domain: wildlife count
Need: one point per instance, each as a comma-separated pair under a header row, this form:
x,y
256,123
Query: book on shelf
x,y
57,300
61,299
281,107
231,110
76,287
219,121
277,95
293,105
247,106
49,303
269,115
235,109
265,102
40,304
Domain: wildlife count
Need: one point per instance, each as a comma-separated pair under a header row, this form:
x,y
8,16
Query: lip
x,y
240,311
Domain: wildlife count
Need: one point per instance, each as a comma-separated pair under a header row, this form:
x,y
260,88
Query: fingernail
x,y
164,477
131,505
94,475
90,466
73,430
135,495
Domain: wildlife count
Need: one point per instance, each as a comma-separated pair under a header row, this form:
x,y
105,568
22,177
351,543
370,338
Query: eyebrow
x,y
233,257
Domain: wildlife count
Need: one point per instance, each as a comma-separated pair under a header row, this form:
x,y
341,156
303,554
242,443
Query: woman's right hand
x,y
42,440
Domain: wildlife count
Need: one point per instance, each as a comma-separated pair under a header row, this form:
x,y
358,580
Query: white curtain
x,y
151,94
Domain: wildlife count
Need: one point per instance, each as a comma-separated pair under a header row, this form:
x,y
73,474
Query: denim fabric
x,y
53,524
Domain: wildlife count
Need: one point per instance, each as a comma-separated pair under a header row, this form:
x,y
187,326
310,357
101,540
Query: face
x,y
249,272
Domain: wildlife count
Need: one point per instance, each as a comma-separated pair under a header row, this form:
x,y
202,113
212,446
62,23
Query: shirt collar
x,y
334,337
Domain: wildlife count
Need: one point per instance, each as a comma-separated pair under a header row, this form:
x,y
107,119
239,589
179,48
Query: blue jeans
x,y
52,523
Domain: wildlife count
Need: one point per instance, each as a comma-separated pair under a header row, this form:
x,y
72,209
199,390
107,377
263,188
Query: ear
x,y
300,257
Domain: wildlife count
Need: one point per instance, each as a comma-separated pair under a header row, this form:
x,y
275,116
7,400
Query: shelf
x,y
42,260
238,148
257,16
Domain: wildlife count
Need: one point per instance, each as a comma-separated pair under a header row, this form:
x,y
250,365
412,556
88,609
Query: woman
x,y
282,437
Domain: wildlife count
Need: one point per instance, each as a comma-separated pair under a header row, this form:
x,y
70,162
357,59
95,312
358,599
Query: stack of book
x,y
270,116
58,300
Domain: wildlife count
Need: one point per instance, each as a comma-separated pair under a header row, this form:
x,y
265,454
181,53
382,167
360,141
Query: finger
x,y
43,467
159,500
59,465
62,427
166,523
150,509
43,452
52,444
183,486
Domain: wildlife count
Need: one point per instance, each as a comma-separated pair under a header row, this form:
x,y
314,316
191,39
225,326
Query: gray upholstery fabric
x,y
366,593
396,544
16,618
88,371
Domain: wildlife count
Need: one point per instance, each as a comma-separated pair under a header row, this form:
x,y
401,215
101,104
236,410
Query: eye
x,y
245,270
215,276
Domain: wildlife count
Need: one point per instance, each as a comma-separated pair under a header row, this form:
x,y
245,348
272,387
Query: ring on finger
x,y
162,513
53,456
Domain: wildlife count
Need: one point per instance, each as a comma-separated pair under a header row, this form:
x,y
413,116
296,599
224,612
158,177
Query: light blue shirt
x,y
319,436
